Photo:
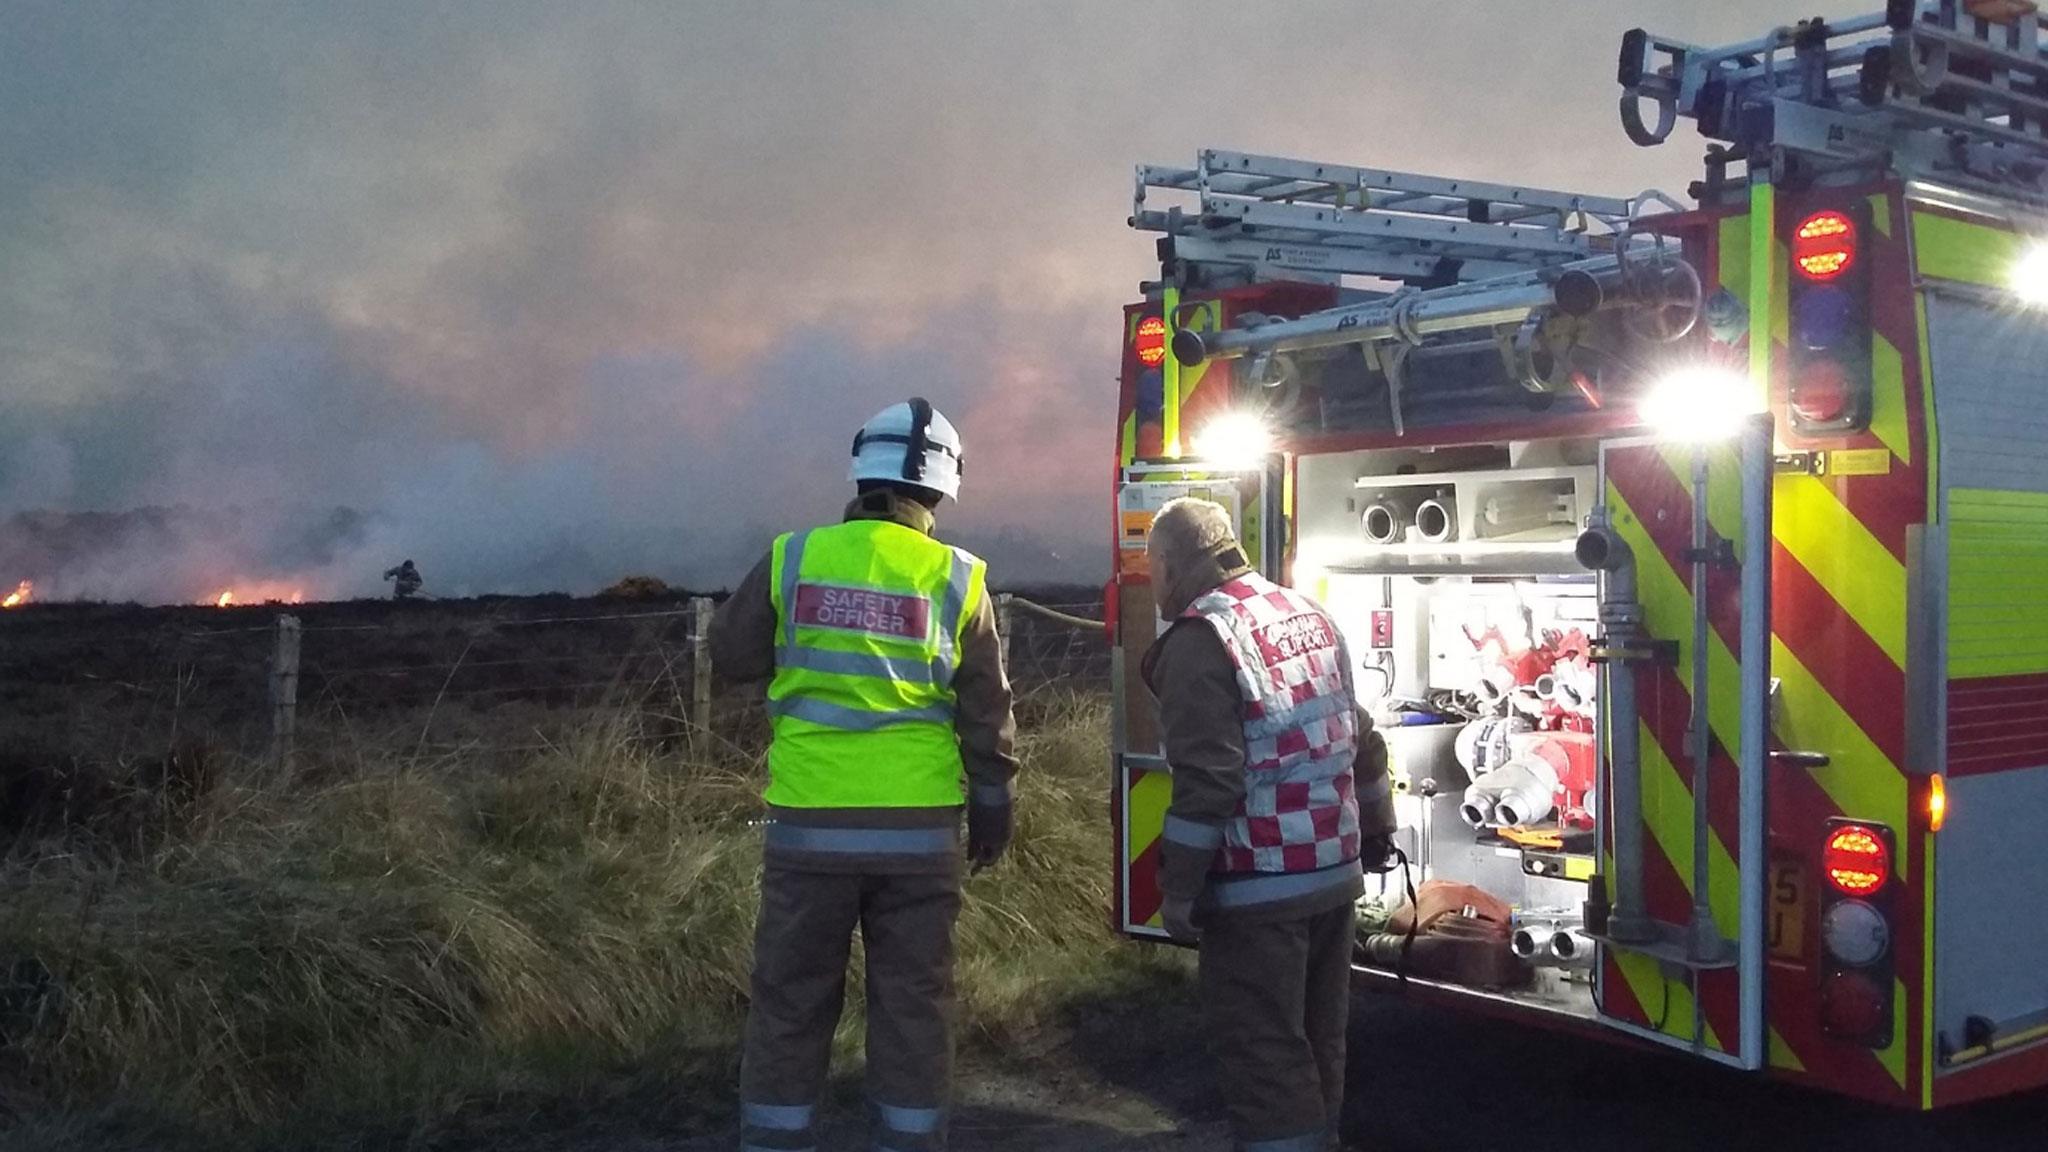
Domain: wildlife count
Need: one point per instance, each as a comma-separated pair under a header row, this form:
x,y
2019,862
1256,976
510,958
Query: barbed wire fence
x,y
430,680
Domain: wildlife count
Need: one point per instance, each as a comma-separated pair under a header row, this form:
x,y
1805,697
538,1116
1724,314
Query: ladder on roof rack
x,y
1954,90
1274,215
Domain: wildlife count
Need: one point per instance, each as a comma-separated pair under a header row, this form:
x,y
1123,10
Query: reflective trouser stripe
x,y
907,1129
863,841
1189,834
991,795
910,1121
839,716
783,1117
1306,1142
898,669
1242,888
777,1128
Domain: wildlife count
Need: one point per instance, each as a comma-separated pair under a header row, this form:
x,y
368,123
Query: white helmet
x,y
909,443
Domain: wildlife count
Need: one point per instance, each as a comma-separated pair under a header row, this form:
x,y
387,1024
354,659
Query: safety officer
x,y
890,711
1280,799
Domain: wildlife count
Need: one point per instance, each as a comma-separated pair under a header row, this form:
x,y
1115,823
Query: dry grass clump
x,y
404,940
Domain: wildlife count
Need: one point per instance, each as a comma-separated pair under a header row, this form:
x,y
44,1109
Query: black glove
x,y
1178,917
1376,853
988,833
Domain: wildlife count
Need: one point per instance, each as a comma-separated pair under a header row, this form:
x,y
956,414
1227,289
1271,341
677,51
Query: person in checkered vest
x,y
1281,801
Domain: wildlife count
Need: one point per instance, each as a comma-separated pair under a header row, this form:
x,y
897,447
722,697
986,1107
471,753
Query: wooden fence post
x,y
284,690
1004,625
700,663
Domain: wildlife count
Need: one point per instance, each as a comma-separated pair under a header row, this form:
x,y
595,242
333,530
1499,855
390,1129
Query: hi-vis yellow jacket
x,y
868,621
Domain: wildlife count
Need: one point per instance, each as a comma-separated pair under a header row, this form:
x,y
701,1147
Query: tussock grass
x,y
402,941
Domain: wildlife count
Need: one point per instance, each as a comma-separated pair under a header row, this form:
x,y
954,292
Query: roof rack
x,y
1279,218
1948,90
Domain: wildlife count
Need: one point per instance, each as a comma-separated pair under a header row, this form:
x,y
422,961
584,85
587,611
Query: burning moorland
x,y
183,555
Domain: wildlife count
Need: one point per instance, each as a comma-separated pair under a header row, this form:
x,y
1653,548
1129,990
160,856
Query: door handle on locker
x,y
1798,759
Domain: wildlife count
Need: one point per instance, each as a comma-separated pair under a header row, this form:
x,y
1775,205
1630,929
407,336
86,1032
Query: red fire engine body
x,y
1755,491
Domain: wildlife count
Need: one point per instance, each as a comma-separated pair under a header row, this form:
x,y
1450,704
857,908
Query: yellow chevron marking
x,y
1782,1055
1651,987
1145,816
1808,716
1859,572
1671,825
1888,397
1145,809
1130,439
1881,213
1860,779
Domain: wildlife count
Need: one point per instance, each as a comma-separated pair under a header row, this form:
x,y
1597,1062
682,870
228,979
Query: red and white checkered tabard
x,y
1300,809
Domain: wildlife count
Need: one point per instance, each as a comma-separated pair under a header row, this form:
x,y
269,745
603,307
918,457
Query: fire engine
x,y
1692,557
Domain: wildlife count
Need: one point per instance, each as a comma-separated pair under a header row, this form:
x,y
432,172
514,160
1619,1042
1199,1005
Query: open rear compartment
x,y
1471,624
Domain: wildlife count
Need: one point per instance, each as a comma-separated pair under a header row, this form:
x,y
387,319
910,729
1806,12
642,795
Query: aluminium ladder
x,y
1284,218
1954,91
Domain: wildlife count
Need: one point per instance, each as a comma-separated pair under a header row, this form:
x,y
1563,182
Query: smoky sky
x,y
541,294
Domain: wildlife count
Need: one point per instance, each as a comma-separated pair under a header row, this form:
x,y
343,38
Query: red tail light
x,y
1824,245
1853,1005
1150,341
1856,860
1821,395
1856,986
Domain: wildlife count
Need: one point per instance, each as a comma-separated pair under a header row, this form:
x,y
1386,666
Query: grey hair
x,y
1188,529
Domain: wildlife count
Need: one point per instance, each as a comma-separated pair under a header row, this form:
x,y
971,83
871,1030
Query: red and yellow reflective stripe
x,y
1145,819
1650,495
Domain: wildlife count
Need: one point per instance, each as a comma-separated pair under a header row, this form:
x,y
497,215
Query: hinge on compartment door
x,y
1799,463
1720,554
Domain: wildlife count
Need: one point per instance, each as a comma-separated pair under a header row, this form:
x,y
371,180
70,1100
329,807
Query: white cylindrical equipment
x,y
1483,745
1436,520
1532,942
1578,289
1570,947
1386,520
1475,808
1519,509
1494,685
1525,791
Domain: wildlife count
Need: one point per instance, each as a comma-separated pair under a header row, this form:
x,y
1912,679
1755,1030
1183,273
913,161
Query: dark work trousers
x,y
801,945
1276,998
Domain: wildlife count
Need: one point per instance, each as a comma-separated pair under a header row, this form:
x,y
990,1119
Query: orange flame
x,y
260,592
19,596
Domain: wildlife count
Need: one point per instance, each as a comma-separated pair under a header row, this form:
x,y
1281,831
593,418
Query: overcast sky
x,y
552,292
